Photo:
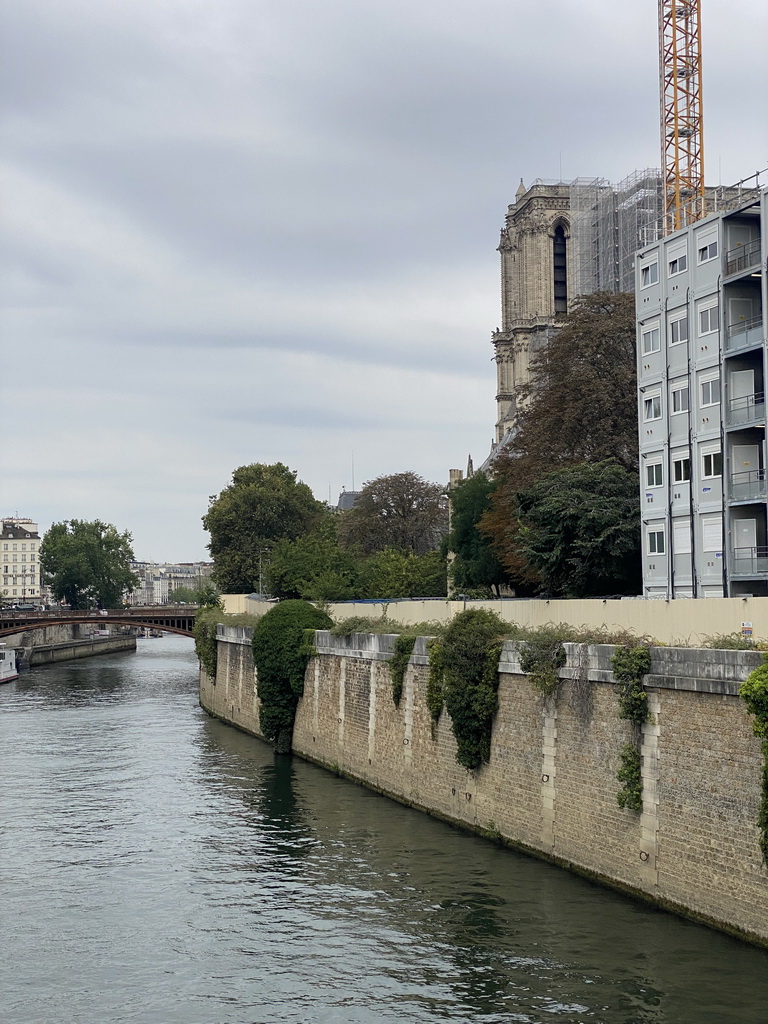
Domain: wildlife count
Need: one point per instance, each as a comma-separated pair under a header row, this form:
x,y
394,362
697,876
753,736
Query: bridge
x,y
169,618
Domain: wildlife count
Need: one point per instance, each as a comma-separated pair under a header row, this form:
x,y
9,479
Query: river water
x,y
159,867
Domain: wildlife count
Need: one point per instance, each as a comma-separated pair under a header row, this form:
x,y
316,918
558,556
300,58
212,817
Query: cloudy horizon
x,y
246,231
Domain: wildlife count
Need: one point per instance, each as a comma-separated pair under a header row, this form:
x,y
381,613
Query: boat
x,y
7,664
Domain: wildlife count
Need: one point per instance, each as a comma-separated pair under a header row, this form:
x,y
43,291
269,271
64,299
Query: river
x,y
159,867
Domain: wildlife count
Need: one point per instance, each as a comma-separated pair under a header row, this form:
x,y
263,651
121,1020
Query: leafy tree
x,y
205,595
581,408
402,511
313,567
393,574
580,528
263,504
87,563
475,563
280,655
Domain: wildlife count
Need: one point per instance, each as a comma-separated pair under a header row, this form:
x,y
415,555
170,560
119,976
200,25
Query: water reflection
x,y
164,868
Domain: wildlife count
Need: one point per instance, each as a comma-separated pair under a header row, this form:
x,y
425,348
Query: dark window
x,y
560,271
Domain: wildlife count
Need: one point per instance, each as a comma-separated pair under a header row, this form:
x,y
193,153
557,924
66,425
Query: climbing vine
x,y
630,664
204,632
754,693
541,656
464,676
398,663
631,793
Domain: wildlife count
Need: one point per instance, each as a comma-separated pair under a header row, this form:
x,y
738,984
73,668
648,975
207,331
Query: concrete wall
x,y
551,786
681,622
69,650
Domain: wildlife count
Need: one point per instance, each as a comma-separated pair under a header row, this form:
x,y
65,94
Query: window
x,y
708,251
680,398
655,537
709,319
678,330
652,408
560,275
649,274
681,470
710,391
654,474
651,341
711,465
678,263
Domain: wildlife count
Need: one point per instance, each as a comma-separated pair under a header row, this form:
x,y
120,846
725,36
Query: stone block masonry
x,y
550,786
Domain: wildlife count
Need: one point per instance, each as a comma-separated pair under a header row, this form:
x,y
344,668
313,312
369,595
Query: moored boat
x,y
8,669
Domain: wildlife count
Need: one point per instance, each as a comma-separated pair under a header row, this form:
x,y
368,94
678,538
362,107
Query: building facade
x,y
157,582
20,547
701,295
561,240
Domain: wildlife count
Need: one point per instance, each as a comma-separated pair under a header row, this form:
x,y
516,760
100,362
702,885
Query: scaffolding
x,y
608,224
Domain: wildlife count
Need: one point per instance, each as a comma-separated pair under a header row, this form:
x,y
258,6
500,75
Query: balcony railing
x,y
749,562
742,411
744,334
743,257
751,484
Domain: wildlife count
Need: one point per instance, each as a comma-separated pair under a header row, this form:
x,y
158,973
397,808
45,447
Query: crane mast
x,y
682,129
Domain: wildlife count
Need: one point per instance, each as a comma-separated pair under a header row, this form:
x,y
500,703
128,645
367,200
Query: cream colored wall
x,y
683,623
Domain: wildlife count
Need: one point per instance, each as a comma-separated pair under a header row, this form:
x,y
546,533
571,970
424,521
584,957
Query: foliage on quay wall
x,y
466,672
630,664
204,633
541,656
281,654
754,693
398,663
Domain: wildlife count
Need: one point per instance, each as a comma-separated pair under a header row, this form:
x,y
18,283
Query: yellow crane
x,y
682,128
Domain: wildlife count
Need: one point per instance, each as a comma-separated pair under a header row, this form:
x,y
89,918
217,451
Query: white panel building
x,y
702,352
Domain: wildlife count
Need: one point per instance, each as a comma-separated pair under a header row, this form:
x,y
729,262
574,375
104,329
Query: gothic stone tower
x,y
535,287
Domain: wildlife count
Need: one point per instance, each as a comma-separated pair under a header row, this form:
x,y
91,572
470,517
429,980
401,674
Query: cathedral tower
x,y
536,286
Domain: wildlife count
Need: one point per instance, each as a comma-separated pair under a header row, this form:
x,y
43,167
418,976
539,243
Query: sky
x,y
240,231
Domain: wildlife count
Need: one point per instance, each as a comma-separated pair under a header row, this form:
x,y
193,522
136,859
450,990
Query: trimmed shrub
x,y
281,654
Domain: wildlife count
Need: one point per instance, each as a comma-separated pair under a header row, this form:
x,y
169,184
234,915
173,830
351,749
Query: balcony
x,y
749,562
744,334
744,411
751,484
743,258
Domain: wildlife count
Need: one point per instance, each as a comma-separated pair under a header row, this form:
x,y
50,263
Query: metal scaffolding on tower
x,y
682,129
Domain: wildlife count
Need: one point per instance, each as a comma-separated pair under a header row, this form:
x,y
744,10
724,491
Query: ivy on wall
x,y
398,663
754,693
630,664
464,676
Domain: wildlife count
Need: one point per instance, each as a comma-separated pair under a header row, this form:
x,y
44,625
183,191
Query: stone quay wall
x,y
550,786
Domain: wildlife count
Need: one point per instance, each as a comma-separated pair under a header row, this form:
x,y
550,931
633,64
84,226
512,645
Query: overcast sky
x,y
245,231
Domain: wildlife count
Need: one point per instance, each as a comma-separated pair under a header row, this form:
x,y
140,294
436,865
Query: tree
x,y
205,595
580,528
263,504
402,511
582,409
475,563
582,394
313,567
87,563
393,574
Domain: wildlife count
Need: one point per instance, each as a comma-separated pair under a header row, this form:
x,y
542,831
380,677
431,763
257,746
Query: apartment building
x,y
19,547
702,351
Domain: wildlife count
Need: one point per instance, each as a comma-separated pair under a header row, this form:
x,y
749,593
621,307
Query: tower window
x,y
560,270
